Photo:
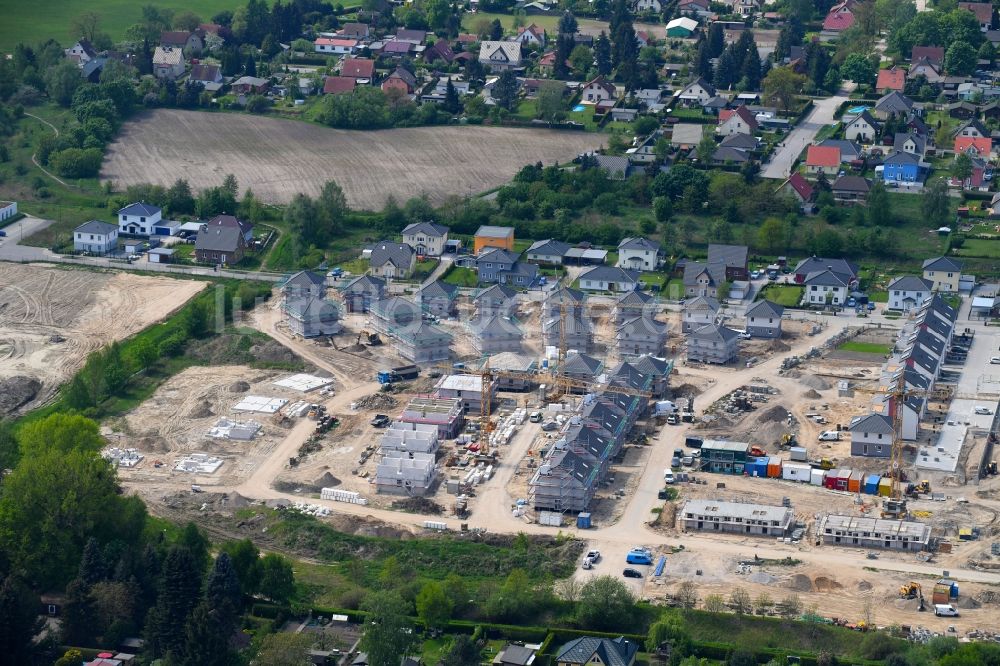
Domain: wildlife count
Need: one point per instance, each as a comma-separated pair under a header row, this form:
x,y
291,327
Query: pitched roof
x,y
358,68
838,21
740,141
715,333
743,112
410,35
728,154
305,280
492,51
891,79
177,38
549,247
651,365
684,23
878,424
638,243
602,83
355,29
336,41
643,326
365,283
566,295
439,49
397,254
812,264
823,156
488,231
982,145
900,139
397,46
497,292
139,208
699,303
852,184
972,123
634,297
982,10
900,157
727,256
497,255
934,54
825,278
167,55
339,85
942,264
439,289
801,186
425,228
311,306
203,72
610,274
866,117
765,308
218,238
582,364
894,102
703,84
692,270
96,227
909,283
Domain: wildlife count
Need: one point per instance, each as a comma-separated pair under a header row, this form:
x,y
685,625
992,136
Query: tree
x,y
331,210
187,21
606,603
433,605
772,237
277,582
961,168
452,104
714,603
763,603
463,651
879,208
496,30
781,85
567,23
179,200
79,619
61,82
19,621
60,432
706,147
602,54
960,59
86,26
935,203
92,566
222,592
549,103
669,629
581,58
663,210
727,68
180,588
789,607
206,638
505,90
245,559
687,594
388,633
859,69
197,544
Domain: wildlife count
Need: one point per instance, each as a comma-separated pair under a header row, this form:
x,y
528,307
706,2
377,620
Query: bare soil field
x,y
51,319
281,158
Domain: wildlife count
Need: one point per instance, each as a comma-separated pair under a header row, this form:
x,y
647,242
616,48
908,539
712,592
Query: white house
x,y
392,260
639,254
764,319
609,278
825,288
426,238
548,251
335,45
500,56
863,129
81,53
138,219
648,6
699,311
908,292
95,237
697,93
168,62
532,35
598,90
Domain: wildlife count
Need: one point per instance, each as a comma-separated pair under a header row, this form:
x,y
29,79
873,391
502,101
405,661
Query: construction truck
x,y
398,374
912,590
922,488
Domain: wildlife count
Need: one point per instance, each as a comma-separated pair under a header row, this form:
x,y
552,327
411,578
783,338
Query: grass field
x,y
462,277
35,22
865,348
783,294
280,158
979,247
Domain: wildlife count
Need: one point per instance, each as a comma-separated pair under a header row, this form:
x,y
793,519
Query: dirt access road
x,y
281,158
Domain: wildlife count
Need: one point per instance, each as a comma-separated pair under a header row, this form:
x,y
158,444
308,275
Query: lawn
x,y
654,280
424,268
787,295
460,276
979,247
34,22
472,21
355,266
865,348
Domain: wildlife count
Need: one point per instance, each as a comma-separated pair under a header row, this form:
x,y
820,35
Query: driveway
x,y
821,115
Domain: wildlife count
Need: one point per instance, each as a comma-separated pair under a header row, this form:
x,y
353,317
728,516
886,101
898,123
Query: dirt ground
x,y
51,319
280,158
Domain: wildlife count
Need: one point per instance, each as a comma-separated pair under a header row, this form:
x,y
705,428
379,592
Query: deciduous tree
x,y
388,633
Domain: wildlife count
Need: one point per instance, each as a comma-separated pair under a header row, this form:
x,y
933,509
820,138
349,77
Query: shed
x,y
160,255
774,467
816,477
871,484
856,481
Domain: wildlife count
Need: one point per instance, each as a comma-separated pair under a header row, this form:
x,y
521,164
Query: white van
x,y
945,610
535,417
829,436
668,476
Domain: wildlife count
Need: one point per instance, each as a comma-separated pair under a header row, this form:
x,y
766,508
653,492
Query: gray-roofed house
x,y
712,344
139,219
438,298
609,278
582,366
616,166
640,335
639,254
687,135
944,273
219,243
851,189
699,311
726,155
413,338
547,251
910,143
361,292
564,315
304,284
310,316
514,655
633,304
495,334
497,299
393,260
426,238
95,237
826,287
657,368
907,292
863,128
871,436
589,650
893,104
849,150
764,319
500,56
698,280
495,265
846,269
729,261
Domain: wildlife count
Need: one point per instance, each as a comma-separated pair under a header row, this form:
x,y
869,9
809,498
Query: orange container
x,y
774,467
855,481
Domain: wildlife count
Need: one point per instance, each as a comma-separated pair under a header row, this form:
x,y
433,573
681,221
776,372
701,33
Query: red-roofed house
x,y
642,38
531,34
934,54
737,121
358,68
401,80
823,159
891,79
797,187
547,62
338,85
598,90
983,12
335,45
973,145
840,17
439,50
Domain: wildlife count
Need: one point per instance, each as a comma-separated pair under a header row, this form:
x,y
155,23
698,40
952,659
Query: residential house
x,y
360,69
412,36
219,243
944,274
598,90
439,50
849,150
633,304
339,85
139,219
564,317
712,344
908,292
983,12
894,104
972,129
851,189
736,517
502,266
746,8
797,187
591,651
931,71
932,54
891,79
304,284
863,129
639,336
250,85
697,93
726,155
182,40
729,261
617,167
310,316
438,298
514,655
826,287
823,159
962,110
246,228
910,143
973,146
490,236
413,338
495,334
335,45
639,254
981,176
871,436
500,56
698,7
687,135
531,35
682,27
745,142
548,251
393,260
81,52
874,533
840,17
902,167
361,292
209,76
699,311
95,237
763,319
494,300
168,63
847,270
736,121
355,30
652,6
426,238
609,278
402,80
397,50
698,280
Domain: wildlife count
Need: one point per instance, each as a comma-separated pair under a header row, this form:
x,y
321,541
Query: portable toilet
x,y
843,479
774,467
816,477
944,591
583,521
871,484
856,481
885,487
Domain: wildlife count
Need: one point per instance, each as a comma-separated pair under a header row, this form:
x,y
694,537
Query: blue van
x,y
639,556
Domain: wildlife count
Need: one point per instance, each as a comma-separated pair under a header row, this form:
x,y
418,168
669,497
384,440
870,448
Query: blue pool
x,y
857,109
578,108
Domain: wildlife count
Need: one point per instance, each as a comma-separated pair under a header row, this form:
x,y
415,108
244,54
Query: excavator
x,y
371,339
912,590
922,488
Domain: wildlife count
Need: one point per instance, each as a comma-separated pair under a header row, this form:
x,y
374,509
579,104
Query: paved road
x,y
821,115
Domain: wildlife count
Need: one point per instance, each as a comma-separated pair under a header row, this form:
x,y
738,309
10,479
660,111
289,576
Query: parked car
x,y
632,573
945,610
851,302
829,436
588,563
594,555
985,411
995,360
381,420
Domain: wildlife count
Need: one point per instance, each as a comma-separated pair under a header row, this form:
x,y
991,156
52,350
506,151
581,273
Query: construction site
x,y
580,425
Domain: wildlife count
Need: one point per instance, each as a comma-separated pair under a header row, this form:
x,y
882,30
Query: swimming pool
x,y
857,109
578,108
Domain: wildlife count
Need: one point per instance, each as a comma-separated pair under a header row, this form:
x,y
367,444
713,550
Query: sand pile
x,y
812,381
202,410
327,481
761,578
800,583
778,346
824,584
864,586
239,387
812,394
774,414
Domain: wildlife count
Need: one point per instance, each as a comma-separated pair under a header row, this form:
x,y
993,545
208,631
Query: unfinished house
x,y
496,300
467,388
658,369
871,436
362,292
640,335
438,298
523,365
400,473
444,414
735,518
874,533
402,321
409,438
564,482
303,284
633,304
311,316
583,367
699,311
712,344
565,320
495,334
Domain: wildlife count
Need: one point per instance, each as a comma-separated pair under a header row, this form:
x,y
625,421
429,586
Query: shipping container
x,y
885,487
816,477
793,472
843,479
871,484
798,454
856,481
774,467
830,480
944,591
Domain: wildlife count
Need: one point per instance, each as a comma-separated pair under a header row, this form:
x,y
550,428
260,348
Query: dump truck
x,y
398,374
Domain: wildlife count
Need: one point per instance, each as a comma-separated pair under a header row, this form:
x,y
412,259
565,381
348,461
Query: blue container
x,y
954,591
583,521
871,484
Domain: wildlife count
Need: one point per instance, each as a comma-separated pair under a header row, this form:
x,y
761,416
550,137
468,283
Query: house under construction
x,y
402,473
565,321
445,414
402,321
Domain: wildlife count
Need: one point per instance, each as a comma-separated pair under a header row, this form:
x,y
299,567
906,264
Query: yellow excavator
x,y
912,590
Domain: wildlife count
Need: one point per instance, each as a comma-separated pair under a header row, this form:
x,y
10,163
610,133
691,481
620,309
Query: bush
x,y
77,162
